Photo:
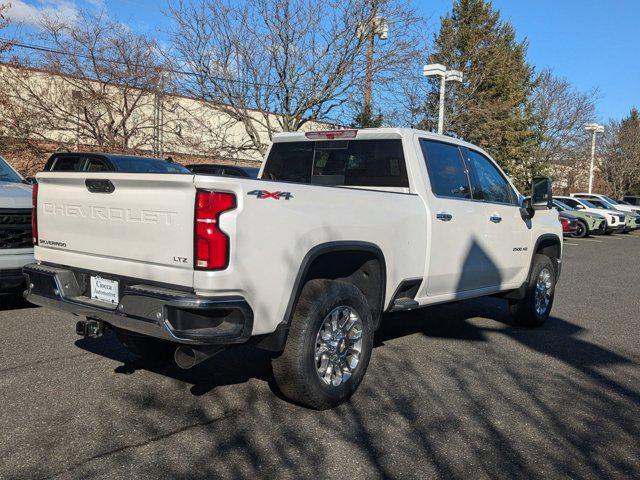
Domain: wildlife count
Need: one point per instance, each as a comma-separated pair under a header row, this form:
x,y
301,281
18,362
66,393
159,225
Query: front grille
x,y
15,228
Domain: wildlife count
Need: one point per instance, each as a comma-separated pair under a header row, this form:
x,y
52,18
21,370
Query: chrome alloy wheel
x,y
542,297
338,346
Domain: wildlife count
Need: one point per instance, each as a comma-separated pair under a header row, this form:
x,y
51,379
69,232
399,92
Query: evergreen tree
x,y
491,107
367,119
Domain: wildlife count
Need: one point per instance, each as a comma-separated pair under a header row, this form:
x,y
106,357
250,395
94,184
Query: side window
x,y
96,165
571,202
490,184
598,203
67,164
447,171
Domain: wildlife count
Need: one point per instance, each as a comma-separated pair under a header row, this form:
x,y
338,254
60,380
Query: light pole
x,y
437,69
593,128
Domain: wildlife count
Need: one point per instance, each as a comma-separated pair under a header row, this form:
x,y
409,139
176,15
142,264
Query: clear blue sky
x,y
590,43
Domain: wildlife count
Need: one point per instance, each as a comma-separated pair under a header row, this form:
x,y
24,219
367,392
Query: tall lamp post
x,y
593,128
437,69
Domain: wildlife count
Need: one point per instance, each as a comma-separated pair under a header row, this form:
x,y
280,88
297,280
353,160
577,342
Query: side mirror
x,y
527,211
541,194
580,206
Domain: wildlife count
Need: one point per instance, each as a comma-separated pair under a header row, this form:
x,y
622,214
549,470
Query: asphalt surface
x,y
452,391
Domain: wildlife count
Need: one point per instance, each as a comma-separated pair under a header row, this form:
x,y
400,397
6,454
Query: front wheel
x,y
534,309
328,347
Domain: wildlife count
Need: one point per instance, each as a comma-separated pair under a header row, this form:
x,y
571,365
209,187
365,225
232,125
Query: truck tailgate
x,y
141,229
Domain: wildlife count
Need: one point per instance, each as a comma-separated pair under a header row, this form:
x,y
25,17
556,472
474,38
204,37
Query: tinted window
x,y
632,200
571,202
232,172
7,174
599,203
376,163
146,165
96,165
490,185
447,171
67,164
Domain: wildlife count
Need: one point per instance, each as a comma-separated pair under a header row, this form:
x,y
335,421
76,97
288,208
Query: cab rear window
x,y
367,163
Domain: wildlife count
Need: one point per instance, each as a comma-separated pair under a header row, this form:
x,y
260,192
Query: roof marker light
x,y
331,134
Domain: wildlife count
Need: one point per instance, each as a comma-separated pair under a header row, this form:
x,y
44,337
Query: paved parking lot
x,y
452,391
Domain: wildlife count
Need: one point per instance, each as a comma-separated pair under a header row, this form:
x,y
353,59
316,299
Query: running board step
x,y
404,304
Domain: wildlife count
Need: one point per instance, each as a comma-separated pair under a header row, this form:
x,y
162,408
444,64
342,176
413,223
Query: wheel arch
x,y
549,245
359,263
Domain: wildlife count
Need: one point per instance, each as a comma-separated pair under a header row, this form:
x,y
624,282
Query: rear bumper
x,y
159,312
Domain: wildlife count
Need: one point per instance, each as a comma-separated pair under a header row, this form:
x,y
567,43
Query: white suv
x,y
632,217
616,221
623,207
16,238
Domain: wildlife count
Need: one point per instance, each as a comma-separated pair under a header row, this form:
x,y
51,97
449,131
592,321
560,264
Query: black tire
x,y
146,347
524,311
295,370
583,229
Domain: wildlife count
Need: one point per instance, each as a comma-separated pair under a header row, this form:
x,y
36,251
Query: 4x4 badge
x,y
263,194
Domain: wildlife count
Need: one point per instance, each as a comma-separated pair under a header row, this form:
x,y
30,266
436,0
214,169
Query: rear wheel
x,y
582,230
328,347
534,309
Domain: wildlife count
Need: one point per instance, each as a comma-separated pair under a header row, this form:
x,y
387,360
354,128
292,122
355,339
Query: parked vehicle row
x,y
590,212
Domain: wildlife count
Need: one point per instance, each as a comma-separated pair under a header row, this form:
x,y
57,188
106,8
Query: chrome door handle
x,y
495,218
445,217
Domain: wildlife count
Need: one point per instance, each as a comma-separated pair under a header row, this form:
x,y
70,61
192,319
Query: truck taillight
x,y
211,243
34,214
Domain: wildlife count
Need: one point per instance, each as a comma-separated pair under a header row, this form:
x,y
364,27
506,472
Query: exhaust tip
x,y
185,357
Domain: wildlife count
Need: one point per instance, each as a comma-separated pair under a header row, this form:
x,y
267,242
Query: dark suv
x,y
106,162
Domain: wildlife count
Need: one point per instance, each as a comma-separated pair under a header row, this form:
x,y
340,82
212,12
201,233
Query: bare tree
x,y
275,65
560,113
103,88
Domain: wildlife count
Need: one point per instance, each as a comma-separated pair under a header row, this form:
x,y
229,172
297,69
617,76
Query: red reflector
x,y
211,243
34,214
331,134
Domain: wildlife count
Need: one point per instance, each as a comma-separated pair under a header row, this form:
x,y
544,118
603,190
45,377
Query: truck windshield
x,y
8,174
610,200
562,205
374,163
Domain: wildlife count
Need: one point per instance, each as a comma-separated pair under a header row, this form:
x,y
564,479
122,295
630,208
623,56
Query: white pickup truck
x,y
340,227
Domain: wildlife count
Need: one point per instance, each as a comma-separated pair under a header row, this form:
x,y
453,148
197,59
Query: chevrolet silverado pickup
x,y
340,227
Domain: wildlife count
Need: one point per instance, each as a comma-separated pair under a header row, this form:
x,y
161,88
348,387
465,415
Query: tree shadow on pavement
x,y
453,391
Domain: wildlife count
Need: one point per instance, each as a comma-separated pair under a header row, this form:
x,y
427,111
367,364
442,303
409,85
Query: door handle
x,y
495,218
444,216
